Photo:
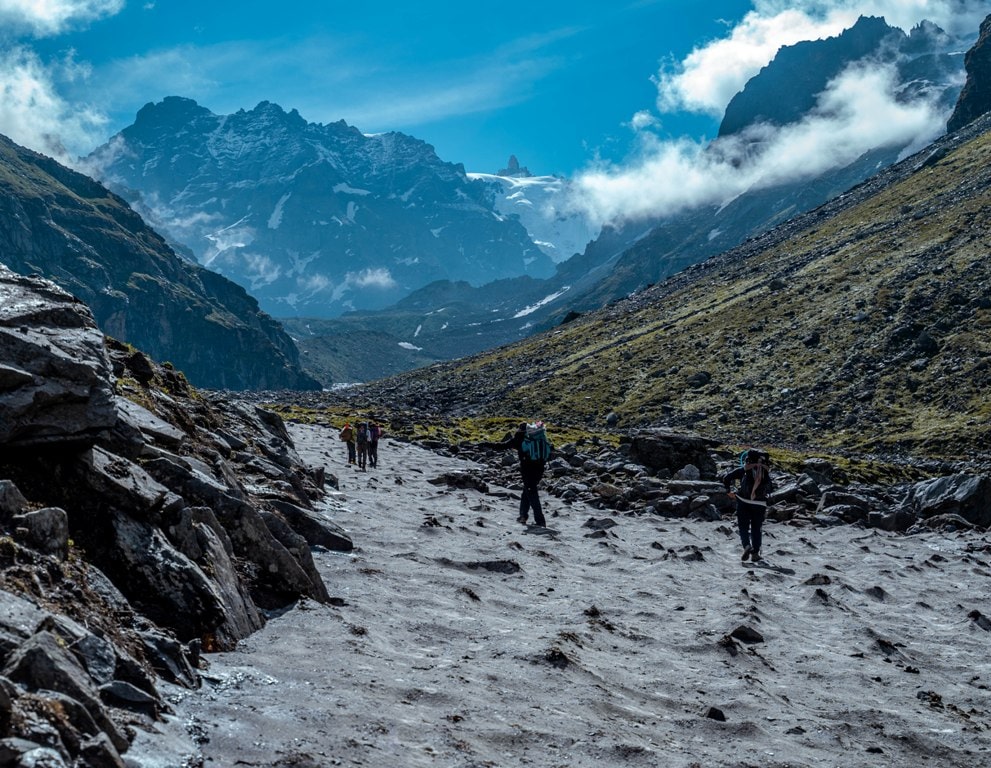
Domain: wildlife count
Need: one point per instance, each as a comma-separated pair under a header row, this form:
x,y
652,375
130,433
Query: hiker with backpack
x,y
361,441
347,436
754,477
374,433
534,449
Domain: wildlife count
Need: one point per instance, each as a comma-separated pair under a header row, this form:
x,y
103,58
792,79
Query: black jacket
x,y
746,478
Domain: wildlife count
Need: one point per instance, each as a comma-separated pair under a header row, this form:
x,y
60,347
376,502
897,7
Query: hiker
x,y
347,436
361,440
754,476
374,433
533,449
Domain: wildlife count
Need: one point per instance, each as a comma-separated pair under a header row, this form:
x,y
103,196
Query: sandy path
x,y
603,648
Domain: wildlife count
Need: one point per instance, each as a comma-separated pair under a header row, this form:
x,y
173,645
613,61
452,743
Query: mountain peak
x,y
171,110
787,88
513,169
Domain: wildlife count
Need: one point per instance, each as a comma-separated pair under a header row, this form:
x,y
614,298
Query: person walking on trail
x,y
347,436
754,477
374,434
533,449
361,440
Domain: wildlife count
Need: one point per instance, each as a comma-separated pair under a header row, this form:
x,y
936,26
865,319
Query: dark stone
x,y
714,713
747,635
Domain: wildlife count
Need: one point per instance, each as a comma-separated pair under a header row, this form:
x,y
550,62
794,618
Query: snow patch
x,y
410,347
347,189
276,218
543,302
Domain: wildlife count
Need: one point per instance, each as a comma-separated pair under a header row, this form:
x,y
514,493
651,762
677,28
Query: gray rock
x,y
28,754
46,530
99,752
200,536
657,450
58,380
834,498
169,659
279,572
156,430
162,582
12,501
123,695
314,527
41,663
968,496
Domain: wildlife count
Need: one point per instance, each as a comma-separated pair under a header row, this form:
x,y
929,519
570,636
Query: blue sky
x,y
605,91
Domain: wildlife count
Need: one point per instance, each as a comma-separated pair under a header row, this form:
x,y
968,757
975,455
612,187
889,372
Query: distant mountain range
x,y
858,328
430,262
630,257
312,219
65,226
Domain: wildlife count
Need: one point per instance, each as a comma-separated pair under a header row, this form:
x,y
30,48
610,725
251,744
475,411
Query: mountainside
x,y
312,219
787,89
65,226
975,98
540,203
631,256
860,326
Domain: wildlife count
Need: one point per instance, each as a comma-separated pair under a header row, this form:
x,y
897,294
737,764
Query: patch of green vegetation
x,y
865,333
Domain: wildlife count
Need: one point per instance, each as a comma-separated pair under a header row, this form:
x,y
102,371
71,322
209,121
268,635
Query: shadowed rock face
x,y
151,515
55,378
975,98
62,225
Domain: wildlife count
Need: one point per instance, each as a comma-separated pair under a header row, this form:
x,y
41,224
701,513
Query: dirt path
x,y
460,639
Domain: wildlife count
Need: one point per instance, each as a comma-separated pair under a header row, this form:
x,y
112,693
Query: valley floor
x,y
462,639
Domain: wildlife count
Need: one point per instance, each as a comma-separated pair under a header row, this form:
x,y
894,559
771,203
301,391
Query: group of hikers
x,y
534,448
363,443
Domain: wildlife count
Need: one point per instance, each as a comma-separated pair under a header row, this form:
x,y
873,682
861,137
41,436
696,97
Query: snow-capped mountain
x,y
312,219
540,203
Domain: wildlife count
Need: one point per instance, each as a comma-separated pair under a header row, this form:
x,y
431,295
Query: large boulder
x,y
660,450
968,496
55,376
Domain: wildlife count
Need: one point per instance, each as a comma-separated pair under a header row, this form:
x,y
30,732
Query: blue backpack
x,y
536,446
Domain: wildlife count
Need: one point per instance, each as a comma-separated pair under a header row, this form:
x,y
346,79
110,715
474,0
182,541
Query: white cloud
x,y
32,112
372,278
50,17
858,111
643,120
711,74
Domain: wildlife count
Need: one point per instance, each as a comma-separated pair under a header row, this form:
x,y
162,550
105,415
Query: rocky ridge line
x,y
141,524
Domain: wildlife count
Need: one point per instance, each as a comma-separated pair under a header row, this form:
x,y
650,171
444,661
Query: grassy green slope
x,y
866,330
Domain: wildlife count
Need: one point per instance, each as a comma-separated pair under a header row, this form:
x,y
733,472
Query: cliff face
x,y
63,225
140,523
975,98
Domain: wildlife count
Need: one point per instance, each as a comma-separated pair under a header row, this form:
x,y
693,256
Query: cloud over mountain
x,y
865,107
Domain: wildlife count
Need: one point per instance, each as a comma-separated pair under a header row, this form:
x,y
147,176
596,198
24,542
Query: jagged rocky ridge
x,y
64,226
141,523
312,219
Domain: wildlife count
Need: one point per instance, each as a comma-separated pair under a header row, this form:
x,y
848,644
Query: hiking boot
x,y
747,550
521,519
755,556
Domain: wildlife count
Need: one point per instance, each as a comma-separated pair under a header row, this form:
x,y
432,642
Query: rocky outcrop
x,y
141,522
975,98
62,225
55,379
